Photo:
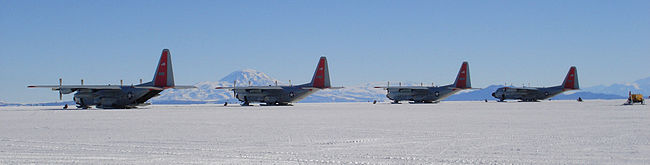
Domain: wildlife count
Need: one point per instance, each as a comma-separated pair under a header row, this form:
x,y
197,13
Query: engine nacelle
x,y
66,91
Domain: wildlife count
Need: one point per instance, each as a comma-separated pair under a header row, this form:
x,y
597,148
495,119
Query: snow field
x,y
452,132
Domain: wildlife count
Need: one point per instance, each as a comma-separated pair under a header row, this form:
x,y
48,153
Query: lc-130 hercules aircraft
x,y
284,95
121,96
422,94
531,94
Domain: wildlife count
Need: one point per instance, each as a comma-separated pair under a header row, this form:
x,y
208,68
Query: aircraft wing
x,y
255,87
405,87
57,87
99,87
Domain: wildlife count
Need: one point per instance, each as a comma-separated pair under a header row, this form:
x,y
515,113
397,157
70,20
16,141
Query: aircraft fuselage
x,y
527,93
283,96
420,94
127,97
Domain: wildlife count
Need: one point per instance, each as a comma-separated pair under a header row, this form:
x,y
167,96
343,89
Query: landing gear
x,y
424,102
245,103
81,104
528,100
277,104
503,97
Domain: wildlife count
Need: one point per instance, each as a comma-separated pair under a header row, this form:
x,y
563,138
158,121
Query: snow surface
x,y
452,132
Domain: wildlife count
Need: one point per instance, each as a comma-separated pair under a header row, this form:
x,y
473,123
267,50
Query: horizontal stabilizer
x,y
184,87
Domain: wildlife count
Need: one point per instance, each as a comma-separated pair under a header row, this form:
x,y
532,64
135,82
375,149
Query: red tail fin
x,y
463,80
571,79
164,76
321,77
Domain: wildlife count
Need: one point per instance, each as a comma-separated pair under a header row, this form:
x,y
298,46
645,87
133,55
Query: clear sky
x,y
516,42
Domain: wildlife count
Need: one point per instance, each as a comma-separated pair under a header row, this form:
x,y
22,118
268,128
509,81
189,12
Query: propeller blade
x,y
60,85
234,92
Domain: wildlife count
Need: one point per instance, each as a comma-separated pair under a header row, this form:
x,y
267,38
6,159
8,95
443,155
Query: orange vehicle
x,y
634,98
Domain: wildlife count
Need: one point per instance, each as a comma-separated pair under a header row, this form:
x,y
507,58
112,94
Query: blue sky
x,y
516,42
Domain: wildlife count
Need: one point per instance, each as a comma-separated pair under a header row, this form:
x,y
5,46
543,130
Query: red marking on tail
x,y
319,76
161,72
461,79
569,80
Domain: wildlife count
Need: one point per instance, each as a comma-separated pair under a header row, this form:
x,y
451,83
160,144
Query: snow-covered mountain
x,y
639,86
244,76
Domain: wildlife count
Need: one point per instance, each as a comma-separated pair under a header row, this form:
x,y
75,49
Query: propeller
x,y
60,86
234,92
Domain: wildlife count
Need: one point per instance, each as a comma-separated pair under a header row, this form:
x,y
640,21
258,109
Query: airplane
x,y
533,94
284,95
121,96
432,94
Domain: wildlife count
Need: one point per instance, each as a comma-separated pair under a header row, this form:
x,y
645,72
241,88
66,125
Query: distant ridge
x,y
639,86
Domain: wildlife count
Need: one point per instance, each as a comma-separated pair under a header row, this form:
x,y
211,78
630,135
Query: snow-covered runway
x,y
556,132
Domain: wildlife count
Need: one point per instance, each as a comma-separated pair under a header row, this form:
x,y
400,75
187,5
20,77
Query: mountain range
x,y
641,86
